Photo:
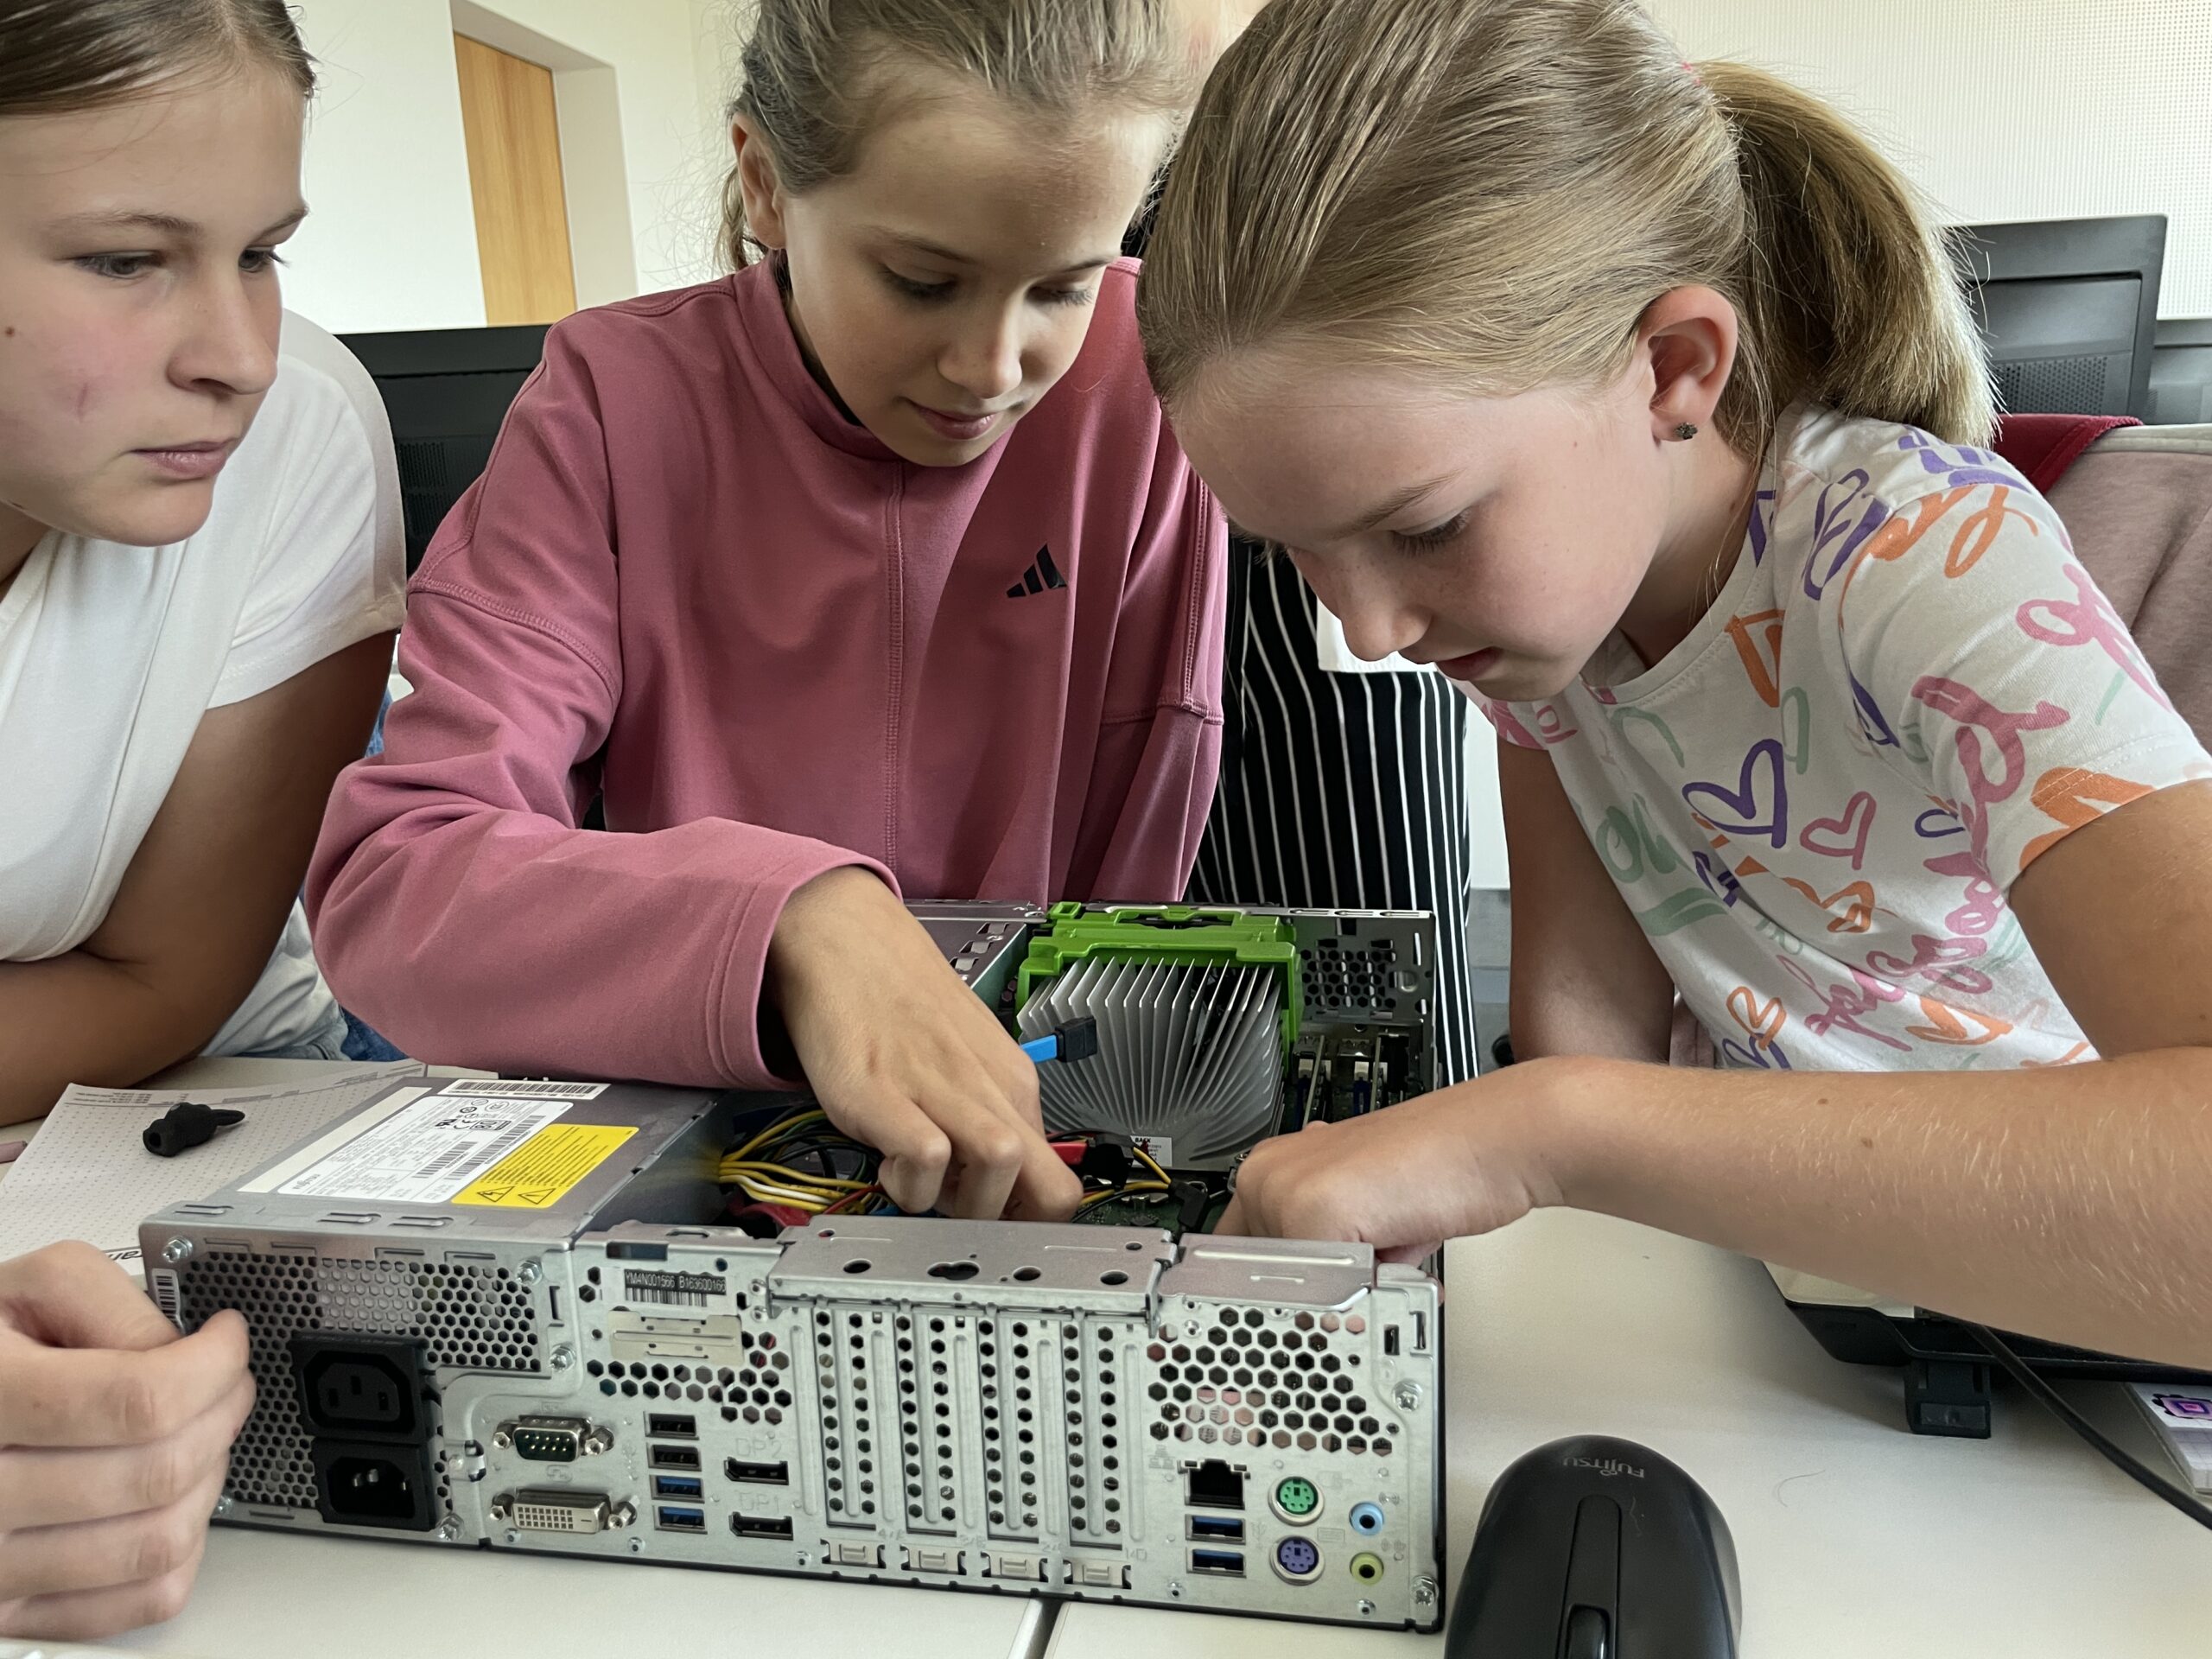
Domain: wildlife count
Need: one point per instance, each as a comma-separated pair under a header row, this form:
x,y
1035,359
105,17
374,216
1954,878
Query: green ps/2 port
x,y
1296,1499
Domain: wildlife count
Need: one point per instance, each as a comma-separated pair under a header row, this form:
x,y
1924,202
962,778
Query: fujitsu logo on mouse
x,y
1606,1467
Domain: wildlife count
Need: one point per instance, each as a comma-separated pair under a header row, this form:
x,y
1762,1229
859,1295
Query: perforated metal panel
x,y
1348,978
2051,383
474,1318
1244,1378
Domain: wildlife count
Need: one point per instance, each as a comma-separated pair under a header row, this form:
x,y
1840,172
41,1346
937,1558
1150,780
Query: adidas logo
x,y
1041,574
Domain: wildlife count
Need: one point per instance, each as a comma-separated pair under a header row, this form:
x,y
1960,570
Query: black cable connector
x,y
186,1125
1076,1041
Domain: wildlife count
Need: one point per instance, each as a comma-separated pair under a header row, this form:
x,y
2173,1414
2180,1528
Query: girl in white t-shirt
x,y
201,572
1641,397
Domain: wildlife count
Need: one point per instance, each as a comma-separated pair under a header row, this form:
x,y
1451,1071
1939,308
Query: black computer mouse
x,y
1597,1548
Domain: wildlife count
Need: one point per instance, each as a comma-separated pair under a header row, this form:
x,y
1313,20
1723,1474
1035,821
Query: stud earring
x,y
1685,432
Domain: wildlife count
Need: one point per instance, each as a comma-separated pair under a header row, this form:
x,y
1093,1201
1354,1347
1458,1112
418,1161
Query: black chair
x,y
446,391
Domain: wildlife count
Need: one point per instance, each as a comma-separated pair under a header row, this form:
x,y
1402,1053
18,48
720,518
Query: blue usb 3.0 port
x,y
1227,1563
678,1486
670,1519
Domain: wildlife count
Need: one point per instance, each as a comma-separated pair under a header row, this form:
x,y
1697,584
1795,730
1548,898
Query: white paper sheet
x,y
88,1175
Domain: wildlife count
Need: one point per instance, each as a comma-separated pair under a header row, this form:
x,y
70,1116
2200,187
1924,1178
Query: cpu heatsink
x,y
1192,1014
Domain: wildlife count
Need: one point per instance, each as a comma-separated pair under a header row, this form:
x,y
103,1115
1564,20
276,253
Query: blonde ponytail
x,y
1851,296
1490,194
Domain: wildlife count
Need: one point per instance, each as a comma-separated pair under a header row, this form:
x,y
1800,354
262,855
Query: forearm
x,y
508,941
2057,1202
76,1018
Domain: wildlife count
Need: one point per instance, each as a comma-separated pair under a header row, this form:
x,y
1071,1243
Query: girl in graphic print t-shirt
x,y
1639,397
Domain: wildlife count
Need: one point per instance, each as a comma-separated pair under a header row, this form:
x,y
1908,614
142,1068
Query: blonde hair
x,y
58,57
1491,193
813,71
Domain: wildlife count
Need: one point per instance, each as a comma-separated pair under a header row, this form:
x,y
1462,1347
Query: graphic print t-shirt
x,y
1908,692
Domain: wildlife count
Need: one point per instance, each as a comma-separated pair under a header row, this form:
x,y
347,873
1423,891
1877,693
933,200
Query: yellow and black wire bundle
x,y
800,1166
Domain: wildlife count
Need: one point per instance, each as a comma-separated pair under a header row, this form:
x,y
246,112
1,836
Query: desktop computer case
x,y
580,1362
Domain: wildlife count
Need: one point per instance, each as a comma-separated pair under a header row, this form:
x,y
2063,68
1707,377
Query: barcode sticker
x,y
426,1152
521,1088
673,1289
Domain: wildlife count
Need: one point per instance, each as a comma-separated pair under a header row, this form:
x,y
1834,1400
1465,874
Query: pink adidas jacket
x,y
687,581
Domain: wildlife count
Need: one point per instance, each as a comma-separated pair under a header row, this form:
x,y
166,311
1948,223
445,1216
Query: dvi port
x,y
556,1511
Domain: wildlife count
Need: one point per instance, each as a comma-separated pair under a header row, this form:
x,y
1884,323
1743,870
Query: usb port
x,y
1218,1528
674,1457
660,1427
1224,1563
760,1526
670,1519
757,1474
679,1486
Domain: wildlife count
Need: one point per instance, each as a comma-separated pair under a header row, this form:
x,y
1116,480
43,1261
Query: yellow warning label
x,y
541,1170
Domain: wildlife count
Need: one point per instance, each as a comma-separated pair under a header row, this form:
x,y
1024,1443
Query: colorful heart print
x,y
1758,805
1845,836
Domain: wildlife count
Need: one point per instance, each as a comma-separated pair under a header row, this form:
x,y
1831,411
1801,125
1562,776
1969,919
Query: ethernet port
x,y
363,1484
1213,1485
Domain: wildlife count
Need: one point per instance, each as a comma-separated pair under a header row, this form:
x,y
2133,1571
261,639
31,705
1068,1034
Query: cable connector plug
x,y
1076,1041
186,1125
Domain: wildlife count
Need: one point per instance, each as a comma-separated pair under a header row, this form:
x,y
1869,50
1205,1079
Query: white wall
x,y
2028,109
392,241
391,238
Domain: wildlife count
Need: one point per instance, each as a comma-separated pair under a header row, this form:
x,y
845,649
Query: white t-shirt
x,y
110,655
1816,806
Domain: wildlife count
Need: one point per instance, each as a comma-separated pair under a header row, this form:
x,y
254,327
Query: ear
x,y
756,179
1689,337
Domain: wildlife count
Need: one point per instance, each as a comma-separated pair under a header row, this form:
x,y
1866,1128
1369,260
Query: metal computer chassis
x,y
1231,1425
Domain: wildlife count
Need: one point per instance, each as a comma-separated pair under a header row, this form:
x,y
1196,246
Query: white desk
x,y
282,1596
1856,1539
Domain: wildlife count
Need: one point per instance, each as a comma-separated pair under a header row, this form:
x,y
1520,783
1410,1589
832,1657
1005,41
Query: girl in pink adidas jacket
x,y
871,571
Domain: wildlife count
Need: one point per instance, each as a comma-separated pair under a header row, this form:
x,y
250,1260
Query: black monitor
x,y
446,389
2067,308
2181,374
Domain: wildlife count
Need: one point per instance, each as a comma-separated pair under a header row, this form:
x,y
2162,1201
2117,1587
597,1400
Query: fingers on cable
x,y
916,1153
989,1149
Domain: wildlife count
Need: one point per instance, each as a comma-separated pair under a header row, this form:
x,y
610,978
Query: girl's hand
x,y
904,1058
115,1434
1404,1179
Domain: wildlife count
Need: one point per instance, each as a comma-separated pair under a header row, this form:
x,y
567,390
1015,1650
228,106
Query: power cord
x,y
2049,1398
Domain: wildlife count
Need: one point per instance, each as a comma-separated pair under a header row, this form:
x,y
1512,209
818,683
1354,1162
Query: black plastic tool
x,y
185,1125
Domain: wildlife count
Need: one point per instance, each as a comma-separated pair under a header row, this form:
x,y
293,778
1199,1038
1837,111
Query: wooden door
x,y
514,176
